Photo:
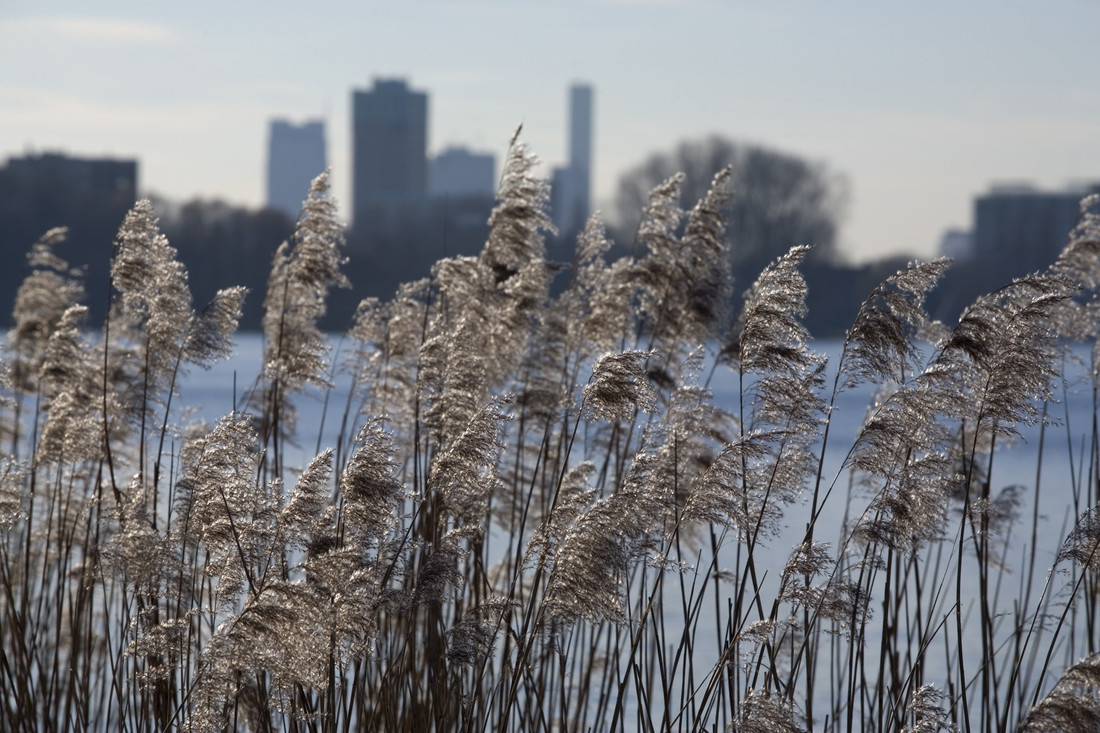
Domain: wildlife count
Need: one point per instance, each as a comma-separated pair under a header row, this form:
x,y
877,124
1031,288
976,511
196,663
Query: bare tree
x,y
779,200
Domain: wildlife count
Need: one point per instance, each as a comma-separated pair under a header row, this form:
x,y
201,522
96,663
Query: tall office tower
x,y
580,148
389,145
295,156
571,185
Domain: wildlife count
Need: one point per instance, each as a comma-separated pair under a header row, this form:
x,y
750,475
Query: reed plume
x,y
605,506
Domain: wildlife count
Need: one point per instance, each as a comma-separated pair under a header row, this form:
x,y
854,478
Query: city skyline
x,y
921,107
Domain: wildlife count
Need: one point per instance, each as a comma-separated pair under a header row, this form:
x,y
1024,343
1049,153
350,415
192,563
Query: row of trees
x,y
782,200
779,200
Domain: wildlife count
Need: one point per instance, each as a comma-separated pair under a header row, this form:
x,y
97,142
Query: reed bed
x,y
535,516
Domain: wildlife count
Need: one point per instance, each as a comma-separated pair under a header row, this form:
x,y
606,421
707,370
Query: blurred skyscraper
x,y
571,185
295,156
1023,226
389,145
107,177
460,172
580,148
90,196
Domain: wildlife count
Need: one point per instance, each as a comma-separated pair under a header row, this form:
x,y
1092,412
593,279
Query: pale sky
x,y
922,105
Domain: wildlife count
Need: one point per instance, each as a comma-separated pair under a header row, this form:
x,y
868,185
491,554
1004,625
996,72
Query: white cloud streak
x,y
96,31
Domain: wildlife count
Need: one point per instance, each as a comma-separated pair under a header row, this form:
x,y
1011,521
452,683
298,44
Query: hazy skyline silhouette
x,y
922,107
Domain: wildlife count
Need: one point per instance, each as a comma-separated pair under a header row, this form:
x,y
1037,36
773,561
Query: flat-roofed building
x,y
295,156
389,145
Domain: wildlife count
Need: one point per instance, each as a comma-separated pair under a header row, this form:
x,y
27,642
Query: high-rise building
x,y
571,185
389,145
1025,226
90,196
580,148
106,177
295,156
460,172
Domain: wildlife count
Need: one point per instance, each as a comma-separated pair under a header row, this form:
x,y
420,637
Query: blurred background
x,y
877,132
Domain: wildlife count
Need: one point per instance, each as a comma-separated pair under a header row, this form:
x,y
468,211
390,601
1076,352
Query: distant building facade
x,y
104,176
90,196
1024,225
580,150
571,185
460,172
389,146
295,156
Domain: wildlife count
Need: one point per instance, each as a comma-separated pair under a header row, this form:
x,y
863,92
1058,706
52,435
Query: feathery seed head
x,y
440,571
925,709
13,496
302,272
706,257
370,483
519,217
210,337
152,286
41,301
619,386
808,559
304,514
471,639
768,335
464,472
1073,706
1083,543
879,345
762,712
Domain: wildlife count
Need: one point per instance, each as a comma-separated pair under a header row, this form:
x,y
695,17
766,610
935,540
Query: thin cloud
x,y
33,107
95,30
